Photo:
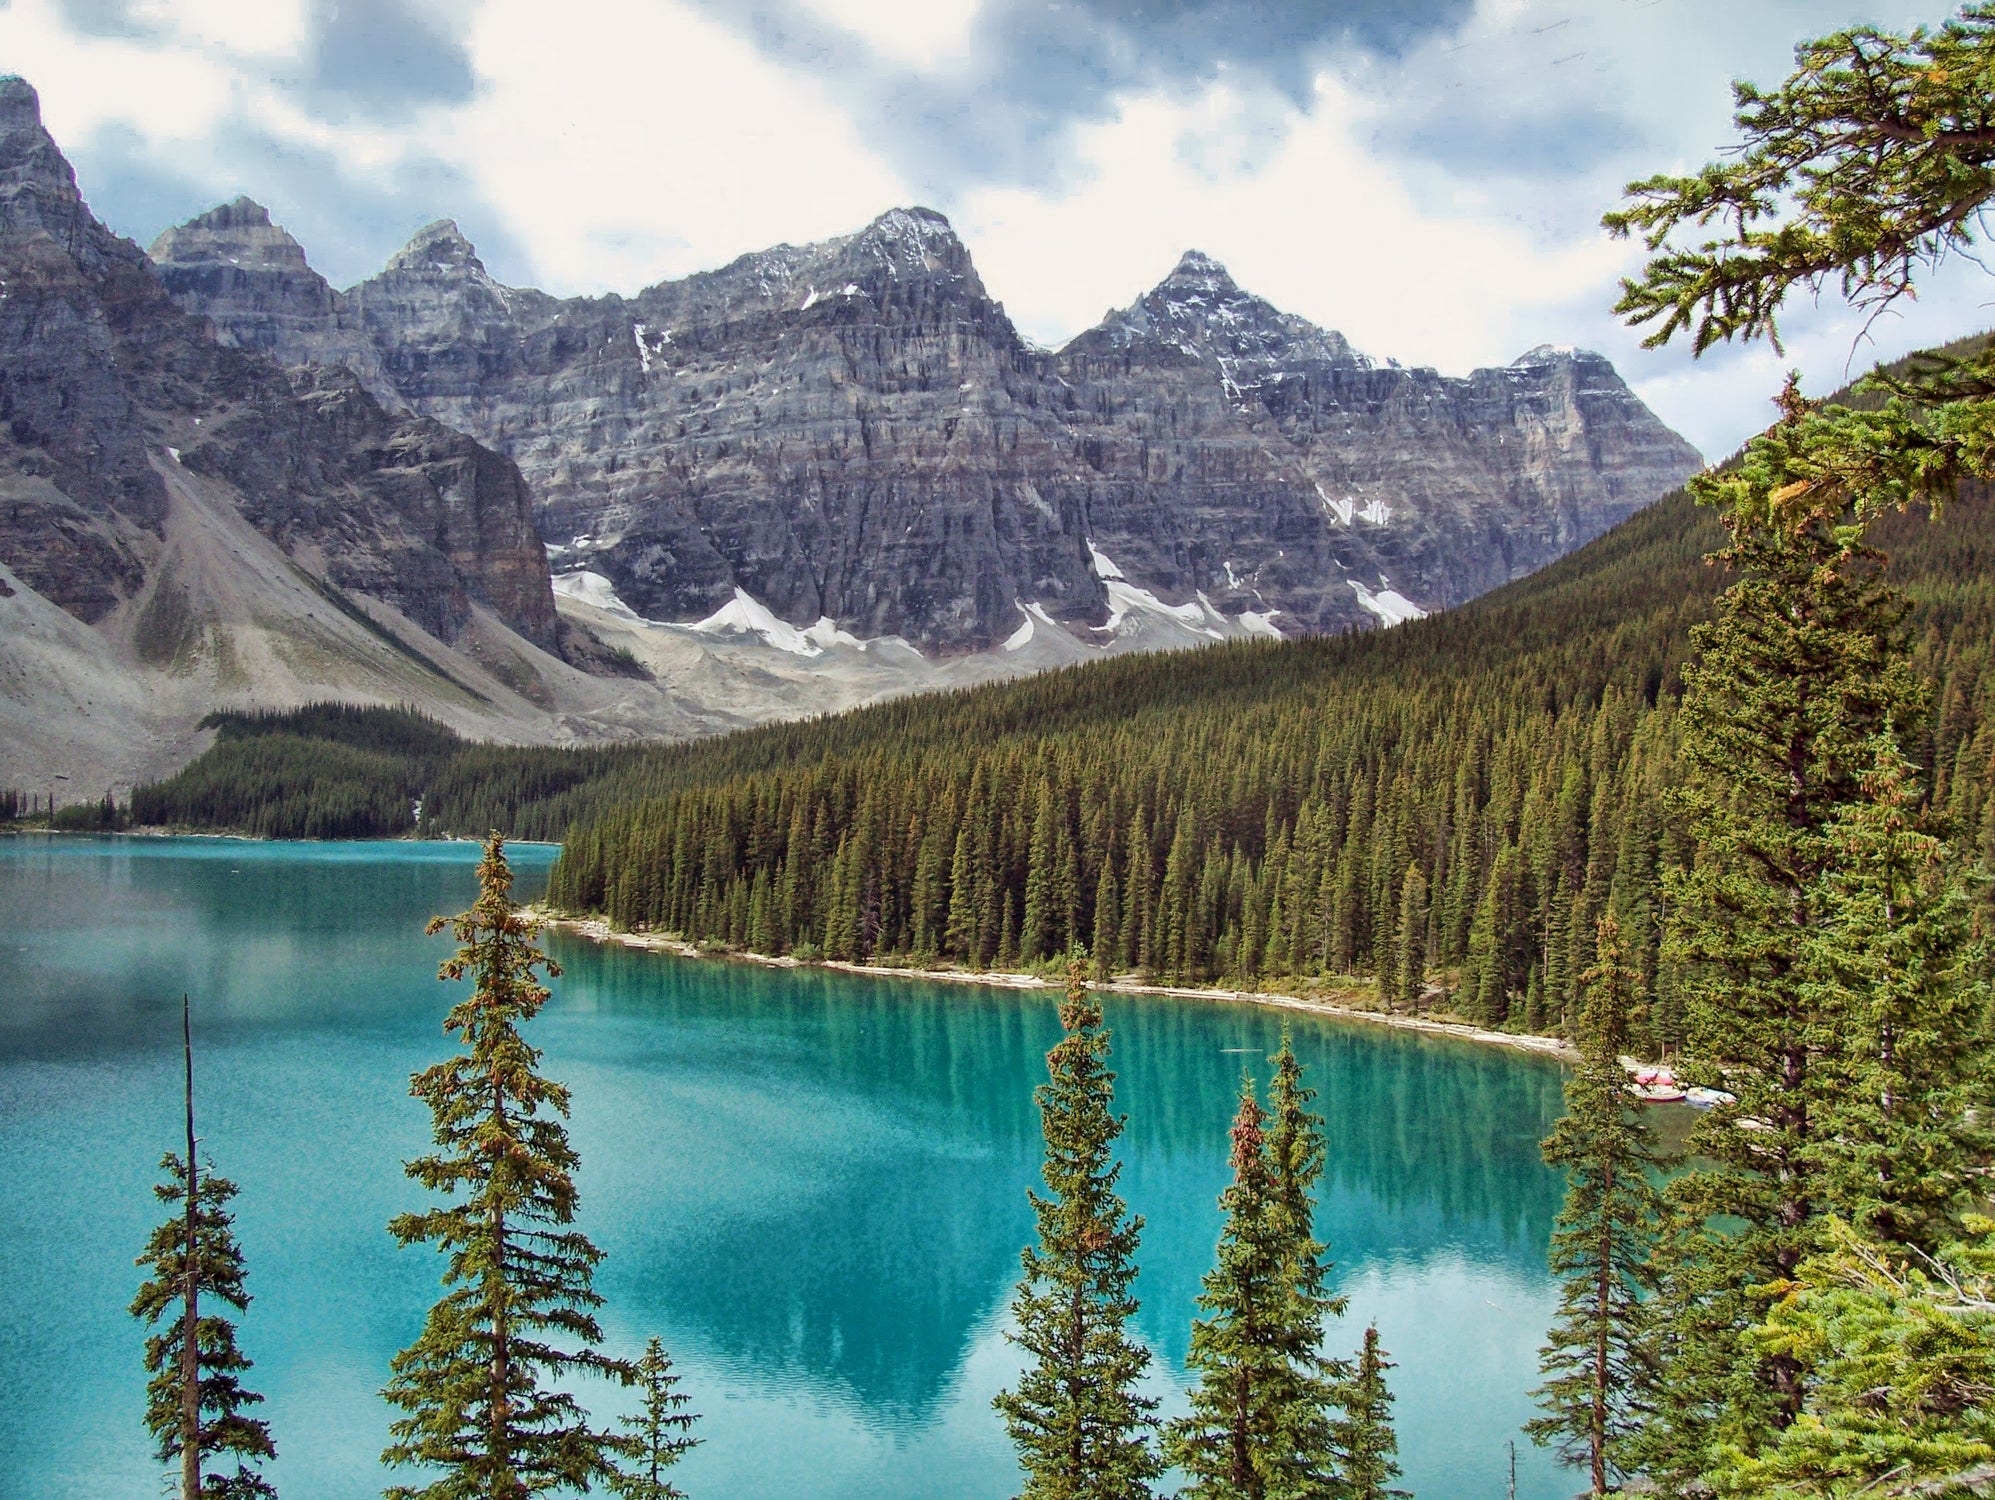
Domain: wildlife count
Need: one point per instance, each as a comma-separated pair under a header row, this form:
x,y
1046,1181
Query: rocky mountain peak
x,y
237,233
912,242
240,212
1198,274
438,247
1199,311
20,106
37,186
1551,354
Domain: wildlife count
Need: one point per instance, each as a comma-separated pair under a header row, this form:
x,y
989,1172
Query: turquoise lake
x,y
810,1185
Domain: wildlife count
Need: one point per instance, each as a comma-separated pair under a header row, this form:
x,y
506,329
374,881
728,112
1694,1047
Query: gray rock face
x,y
103,378
854,429
233,264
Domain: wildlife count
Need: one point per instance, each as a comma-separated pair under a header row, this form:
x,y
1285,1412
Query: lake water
x,y
810,1185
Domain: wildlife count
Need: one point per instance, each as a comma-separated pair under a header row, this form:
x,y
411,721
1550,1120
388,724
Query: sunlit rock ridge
x,y
849,441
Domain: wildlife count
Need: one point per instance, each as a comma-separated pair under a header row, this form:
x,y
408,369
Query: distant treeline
x,y
103,815
342,771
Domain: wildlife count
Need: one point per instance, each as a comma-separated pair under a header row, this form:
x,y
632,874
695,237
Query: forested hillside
x,y
1453,802
340,771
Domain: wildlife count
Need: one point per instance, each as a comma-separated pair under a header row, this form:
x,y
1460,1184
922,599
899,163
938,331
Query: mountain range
x,y
819,475
854,431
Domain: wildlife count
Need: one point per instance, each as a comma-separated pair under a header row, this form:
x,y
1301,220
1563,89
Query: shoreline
x,y
160,831
597,930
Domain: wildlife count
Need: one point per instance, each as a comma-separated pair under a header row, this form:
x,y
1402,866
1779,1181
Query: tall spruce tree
x,y
1080,1426
1803,668
195,1396
1410,940
518,1314
1317,1383
1259,1423
1595,1360
1363,1439
657,1435
1868,165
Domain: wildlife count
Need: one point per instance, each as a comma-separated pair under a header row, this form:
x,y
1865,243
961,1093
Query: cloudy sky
x,y
1425,175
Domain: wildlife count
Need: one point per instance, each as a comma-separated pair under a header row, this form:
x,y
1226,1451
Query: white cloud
x,y
675,149
1319,228
86,82
262,28
921,33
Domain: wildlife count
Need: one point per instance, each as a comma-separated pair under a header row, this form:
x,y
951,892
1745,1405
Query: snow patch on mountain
x,y
744,614
592,589
1341,510
1126,599
1391,606
1035,615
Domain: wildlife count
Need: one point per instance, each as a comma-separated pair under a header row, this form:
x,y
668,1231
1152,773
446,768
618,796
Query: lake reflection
x,y
811,1185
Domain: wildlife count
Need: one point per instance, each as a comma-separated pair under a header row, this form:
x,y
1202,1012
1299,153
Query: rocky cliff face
x,y
103,380
854,432
233,264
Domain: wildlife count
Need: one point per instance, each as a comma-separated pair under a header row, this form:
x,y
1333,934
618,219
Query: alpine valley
x,y
819,476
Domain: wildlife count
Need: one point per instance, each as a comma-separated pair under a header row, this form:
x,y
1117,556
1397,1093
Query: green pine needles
x,y
221,1430
657,1435
1902,1365
1261,1412
1863,168
1363,1443
1595,1360
1821,926
1076,1417
195,1397
479,1387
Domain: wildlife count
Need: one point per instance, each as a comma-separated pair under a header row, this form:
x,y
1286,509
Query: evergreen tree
x,y
1258,1426
1365,1445
1903,1357
1894,971
1594,1361
1080,1427
1410,940
195,1397
1316,1384
1867,165
657,1436
519,1310
1804,665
